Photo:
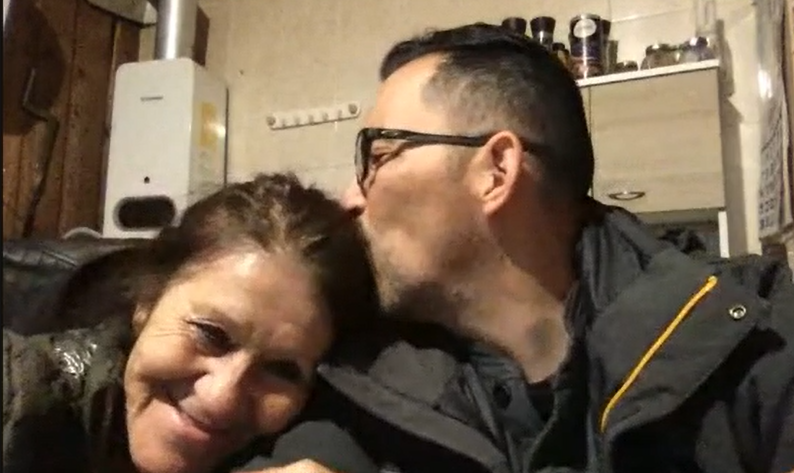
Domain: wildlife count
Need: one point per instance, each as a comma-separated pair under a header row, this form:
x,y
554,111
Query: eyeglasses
x,y
410,139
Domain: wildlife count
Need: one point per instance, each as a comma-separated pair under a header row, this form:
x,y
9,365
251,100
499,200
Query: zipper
x,y
544,432
481,400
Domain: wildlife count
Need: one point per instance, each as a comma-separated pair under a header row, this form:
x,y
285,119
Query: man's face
x,y
416,210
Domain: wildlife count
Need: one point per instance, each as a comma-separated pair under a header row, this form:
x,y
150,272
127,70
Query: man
x,y
533,328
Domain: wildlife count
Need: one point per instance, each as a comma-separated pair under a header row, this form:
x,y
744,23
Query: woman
x,y
229,314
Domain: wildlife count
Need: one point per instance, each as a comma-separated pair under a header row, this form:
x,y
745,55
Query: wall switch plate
x,y
313,116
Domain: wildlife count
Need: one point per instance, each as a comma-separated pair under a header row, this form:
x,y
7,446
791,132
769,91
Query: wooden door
x,y
73,49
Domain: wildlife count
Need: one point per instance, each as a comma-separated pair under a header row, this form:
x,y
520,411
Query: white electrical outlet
x,y
314,116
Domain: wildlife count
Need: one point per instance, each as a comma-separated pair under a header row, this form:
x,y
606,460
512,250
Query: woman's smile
x,y
194,428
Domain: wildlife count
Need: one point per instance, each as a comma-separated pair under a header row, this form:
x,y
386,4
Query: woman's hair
x,y
276,213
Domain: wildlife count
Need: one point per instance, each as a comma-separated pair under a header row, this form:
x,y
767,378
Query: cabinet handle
x,y
624,196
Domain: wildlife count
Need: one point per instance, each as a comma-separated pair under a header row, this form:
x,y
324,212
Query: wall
x,y
287,54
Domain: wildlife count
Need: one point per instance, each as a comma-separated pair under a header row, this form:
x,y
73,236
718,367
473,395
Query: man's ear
x,y
497,169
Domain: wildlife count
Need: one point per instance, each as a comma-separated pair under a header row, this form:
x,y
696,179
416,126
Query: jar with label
x,y
660,55
587,42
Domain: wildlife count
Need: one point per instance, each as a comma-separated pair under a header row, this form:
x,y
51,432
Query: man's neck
x,y
516,314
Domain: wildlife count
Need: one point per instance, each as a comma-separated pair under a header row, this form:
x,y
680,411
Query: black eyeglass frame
x,y
366,136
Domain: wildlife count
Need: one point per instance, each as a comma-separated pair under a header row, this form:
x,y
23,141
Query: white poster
x,y
773,212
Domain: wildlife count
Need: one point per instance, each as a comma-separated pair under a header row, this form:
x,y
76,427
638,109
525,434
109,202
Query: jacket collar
x,y
399,372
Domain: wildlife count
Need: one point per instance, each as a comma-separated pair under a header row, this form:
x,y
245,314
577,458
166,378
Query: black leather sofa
x,y
51,285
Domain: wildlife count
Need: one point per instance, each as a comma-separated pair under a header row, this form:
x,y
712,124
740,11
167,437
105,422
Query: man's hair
x,y
492,79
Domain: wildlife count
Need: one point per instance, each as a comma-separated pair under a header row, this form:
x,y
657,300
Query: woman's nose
x,y
223,394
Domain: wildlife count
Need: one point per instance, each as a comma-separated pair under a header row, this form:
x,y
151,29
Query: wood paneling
x,y
20,45
75,50
50,91
81,189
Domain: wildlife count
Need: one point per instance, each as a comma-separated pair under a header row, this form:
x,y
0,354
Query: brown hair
x,y
276,213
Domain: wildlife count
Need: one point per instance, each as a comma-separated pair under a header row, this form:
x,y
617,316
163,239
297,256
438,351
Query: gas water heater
x,y
168,132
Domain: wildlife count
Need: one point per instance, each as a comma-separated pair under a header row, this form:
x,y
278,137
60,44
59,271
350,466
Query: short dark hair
x,y
274,212
493,78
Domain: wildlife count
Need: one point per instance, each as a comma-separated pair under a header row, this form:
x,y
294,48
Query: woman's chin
x,y
164,460
162,439
158,445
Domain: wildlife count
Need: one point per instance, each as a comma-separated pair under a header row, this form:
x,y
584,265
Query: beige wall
x,y
286,54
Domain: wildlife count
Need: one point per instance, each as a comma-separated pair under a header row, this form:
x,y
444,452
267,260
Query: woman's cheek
x,y
278,409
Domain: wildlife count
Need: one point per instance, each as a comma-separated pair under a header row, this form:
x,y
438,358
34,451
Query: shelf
x,y
648,73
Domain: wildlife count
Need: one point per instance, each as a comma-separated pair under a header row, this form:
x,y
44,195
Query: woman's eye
x,y
285,369
213,336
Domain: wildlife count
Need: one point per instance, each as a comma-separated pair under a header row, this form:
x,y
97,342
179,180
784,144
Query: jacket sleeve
x,y
37,398
767,403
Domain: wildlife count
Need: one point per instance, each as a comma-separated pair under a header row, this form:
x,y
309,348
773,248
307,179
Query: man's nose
x,y
353,199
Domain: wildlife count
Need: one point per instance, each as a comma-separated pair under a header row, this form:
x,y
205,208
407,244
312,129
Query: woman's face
x,y
228,353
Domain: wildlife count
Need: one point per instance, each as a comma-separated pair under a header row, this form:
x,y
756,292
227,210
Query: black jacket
x,y
684,366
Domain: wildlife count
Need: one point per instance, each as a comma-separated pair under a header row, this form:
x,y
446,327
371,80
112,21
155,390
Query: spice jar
x,y
660,55
515,24
562,54
542,28
609,47
696,49
625,66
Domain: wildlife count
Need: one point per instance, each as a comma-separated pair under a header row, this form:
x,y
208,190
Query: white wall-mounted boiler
x,y
167,144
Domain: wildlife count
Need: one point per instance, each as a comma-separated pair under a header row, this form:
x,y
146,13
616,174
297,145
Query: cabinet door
x,y
657,142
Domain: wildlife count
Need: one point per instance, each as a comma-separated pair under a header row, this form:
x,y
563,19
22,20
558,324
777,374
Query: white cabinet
x,y
657,142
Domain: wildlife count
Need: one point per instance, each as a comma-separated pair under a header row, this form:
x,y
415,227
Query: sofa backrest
x,y
42,278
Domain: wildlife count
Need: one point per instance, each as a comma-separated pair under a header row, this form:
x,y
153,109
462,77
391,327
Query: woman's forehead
x,y
252,290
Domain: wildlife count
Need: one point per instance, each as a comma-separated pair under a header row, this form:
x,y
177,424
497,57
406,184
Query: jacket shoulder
x,y
37,400
51,384
33,378
763,414
767,276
